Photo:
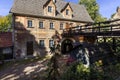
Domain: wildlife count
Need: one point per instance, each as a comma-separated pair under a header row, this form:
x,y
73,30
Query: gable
x,y
49,8
49,2
67,6
67,11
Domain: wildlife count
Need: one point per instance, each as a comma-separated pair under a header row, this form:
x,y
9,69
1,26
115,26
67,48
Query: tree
x,y
93,9
53,70
5,23
113,15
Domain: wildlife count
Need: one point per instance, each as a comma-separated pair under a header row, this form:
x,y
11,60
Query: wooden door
x,y
30,48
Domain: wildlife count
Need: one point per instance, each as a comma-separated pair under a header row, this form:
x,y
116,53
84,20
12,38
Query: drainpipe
x,y
13,34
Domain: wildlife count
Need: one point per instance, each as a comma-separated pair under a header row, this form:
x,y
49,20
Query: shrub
x,y
1,58
77,71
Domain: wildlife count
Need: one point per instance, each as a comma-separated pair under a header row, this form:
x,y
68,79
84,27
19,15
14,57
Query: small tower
x,y
117,14
54,1
118,10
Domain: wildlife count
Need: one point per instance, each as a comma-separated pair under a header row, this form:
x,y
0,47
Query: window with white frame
x,y
51,25
30,23
67,11
51,43
41,43
49,8
41,26
61,26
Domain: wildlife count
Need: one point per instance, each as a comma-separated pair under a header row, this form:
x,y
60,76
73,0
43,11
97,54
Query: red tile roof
x,y
5,39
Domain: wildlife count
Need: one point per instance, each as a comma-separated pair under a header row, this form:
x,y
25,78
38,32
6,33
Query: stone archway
x,y
66,46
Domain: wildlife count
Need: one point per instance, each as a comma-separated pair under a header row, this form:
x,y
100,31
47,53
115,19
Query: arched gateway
x,y
66,46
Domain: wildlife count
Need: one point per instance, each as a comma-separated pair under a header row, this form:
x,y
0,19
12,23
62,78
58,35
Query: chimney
x,y
54,1
118,10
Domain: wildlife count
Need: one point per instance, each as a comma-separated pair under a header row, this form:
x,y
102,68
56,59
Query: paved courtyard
x,y
26,71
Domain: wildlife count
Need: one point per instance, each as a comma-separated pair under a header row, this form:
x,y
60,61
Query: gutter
x,y
49,17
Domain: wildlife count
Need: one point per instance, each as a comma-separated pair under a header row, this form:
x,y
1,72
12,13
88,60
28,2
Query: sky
x,y
107,7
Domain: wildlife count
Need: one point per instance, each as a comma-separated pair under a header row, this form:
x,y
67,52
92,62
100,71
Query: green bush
x,y
77,71
113,71
1,58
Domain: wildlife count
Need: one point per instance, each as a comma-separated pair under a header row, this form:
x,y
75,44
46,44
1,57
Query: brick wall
x,y
5,39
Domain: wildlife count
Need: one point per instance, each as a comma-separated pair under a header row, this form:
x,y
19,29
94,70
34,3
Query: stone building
x,y
35,22
117,14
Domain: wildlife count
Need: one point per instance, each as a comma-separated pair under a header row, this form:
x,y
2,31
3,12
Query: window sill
x,y
51,28
42,47
41,28
30,27
49,11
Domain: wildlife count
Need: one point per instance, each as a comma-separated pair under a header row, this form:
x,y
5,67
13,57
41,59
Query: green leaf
x,y
5,23
93,9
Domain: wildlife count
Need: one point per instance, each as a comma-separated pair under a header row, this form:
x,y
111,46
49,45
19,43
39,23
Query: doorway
x,y
66,46
30,48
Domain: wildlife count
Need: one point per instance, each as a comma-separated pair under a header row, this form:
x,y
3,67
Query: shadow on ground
x,y
24,70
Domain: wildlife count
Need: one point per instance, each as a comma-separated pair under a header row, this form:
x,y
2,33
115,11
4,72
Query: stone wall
x,y
23,34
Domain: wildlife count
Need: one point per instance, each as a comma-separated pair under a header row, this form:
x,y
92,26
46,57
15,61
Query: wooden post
x,y
114,44
104,39
99,27
111,28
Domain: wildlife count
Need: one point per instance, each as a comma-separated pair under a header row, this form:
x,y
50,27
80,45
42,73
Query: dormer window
x,y
67,12
49,8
